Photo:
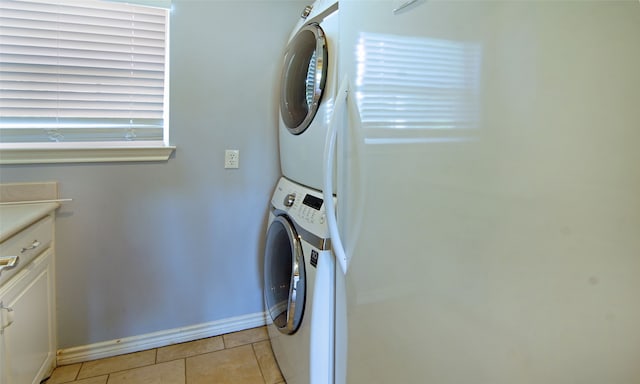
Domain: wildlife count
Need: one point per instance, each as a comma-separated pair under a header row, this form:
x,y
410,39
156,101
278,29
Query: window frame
x,y
95,152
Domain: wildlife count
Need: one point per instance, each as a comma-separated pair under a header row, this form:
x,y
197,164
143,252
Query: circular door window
x,y
284,276
304,75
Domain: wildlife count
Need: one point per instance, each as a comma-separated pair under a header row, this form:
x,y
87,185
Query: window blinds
x,y
86,70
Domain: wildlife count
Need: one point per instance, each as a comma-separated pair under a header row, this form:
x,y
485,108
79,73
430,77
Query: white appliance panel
x,y
301,154
489,189
306,355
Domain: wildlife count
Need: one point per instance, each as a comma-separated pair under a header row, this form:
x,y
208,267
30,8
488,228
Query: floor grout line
x,y
255,356
184,364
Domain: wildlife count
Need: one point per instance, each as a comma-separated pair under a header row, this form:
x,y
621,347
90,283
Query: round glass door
x,y
284,276
304,75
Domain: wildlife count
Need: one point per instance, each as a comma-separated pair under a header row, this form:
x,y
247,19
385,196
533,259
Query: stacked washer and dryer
x,y
298,265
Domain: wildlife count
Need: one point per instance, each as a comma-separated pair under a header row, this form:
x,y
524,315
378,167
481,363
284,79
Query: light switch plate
x,y
232,158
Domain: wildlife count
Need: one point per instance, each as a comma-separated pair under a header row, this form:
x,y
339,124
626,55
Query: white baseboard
x,y
158,339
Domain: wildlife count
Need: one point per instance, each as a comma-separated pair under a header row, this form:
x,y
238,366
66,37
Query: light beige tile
x,y
268,365
248,336
92,380
64,374
229,366
192,348
171,372
117,363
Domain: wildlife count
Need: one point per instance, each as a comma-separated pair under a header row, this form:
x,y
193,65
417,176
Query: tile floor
x,y
243,357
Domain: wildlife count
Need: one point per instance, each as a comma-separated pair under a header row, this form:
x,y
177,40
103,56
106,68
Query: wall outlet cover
x,y
232,158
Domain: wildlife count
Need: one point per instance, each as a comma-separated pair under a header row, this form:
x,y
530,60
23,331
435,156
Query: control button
x,y
306,11
289,200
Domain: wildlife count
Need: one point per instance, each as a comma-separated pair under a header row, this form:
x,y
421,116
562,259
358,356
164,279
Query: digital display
x,y
313,202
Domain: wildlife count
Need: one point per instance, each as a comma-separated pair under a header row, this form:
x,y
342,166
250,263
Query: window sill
x,y
48,154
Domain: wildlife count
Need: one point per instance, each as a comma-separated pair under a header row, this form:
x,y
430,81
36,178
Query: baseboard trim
x,y
158,339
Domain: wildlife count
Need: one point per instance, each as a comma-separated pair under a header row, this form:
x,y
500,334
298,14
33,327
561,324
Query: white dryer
x,y
299,296
308,87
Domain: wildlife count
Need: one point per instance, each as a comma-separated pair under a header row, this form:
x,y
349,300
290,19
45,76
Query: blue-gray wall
x,y
146,247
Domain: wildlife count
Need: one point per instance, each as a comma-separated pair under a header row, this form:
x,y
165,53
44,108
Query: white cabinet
x,y
27,311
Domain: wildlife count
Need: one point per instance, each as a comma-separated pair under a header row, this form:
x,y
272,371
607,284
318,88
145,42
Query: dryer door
x,y
304,75
284,276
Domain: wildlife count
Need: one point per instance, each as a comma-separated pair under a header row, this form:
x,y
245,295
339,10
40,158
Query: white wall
x,y
146,247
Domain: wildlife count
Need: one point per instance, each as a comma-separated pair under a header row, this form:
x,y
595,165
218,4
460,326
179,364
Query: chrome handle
x,y
9,317
404,5
8,262
33,245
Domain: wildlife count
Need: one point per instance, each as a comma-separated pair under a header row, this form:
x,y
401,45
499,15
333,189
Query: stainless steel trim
x,y
297,259
314,240
297,282
8,262
320,77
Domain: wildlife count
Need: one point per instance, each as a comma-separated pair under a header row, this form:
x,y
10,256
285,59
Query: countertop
x,y
15,217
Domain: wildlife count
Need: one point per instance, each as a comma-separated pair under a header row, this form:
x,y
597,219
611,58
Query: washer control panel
x,y
313,202
304,205
312,209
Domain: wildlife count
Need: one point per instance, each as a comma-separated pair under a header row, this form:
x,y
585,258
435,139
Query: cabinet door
x,y
29,342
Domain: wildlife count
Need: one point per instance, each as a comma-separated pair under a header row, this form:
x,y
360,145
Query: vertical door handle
x,y
329,155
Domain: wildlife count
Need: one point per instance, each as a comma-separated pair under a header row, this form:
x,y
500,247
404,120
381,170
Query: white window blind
x,y
82,71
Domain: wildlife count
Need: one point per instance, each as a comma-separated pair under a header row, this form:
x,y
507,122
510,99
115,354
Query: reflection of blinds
x,y
81,71
410,82
310,81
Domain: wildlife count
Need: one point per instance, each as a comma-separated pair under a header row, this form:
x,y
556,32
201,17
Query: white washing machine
x,y
299,285
308,87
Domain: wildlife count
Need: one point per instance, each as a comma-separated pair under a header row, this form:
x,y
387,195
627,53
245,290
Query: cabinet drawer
x,y
26,244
